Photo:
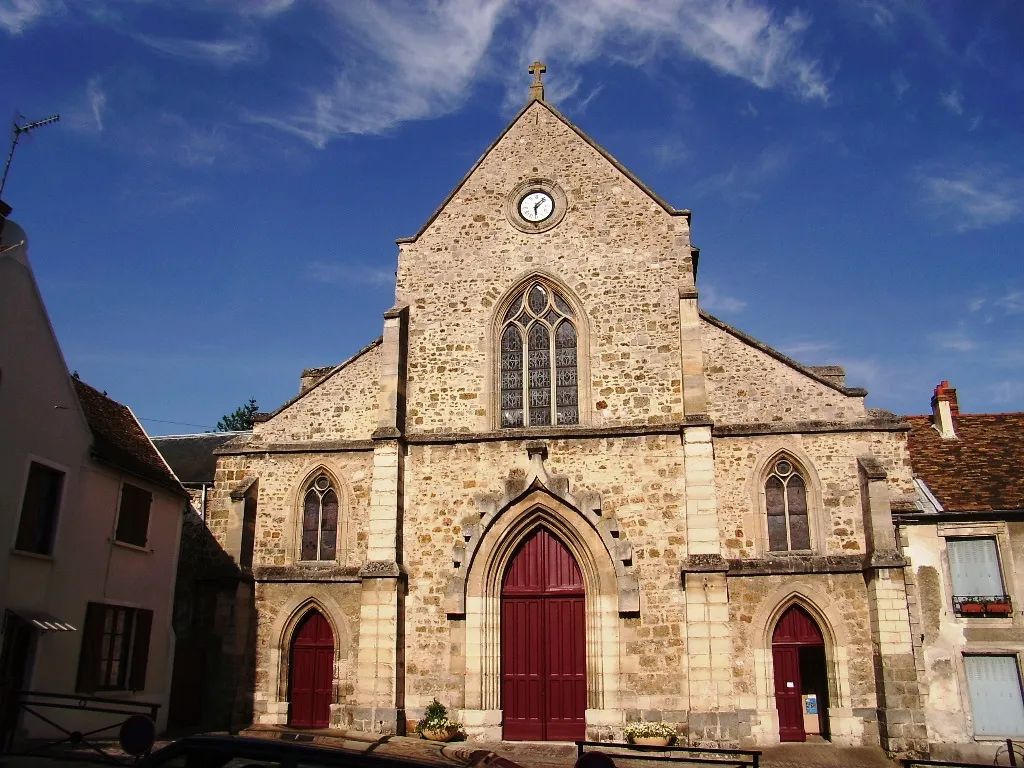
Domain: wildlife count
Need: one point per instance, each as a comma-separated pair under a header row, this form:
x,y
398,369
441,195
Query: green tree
x,y
241,419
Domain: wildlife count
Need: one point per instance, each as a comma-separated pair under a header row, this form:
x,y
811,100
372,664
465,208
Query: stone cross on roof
x,y
537,86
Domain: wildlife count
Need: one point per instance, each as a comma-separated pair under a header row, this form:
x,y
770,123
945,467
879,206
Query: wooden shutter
x,y
133,515
92,648
140,650
994,685
974,567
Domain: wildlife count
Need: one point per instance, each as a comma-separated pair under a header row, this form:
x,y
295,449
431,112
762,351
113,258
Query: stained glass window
x,y
539,375
320,521
785,496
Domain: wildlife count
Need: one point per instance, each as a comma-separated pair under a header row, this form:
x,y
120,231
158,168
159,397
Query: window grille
x,y
539,371
320,521
785,496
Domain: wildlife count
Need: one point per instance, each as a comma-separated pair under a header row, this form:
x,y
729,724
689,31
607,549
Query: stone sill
x,y
305,573
133,547
33,555
799,564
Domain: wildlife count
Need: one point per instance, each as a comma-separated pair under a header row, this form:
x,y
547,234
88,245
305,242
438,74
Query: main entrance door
x,y
543,643
311,673
801,682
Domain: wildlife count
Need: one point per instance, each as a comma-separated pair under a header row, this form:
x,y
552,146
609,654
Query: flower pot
x,y
972,608
998,607
652,741
439,734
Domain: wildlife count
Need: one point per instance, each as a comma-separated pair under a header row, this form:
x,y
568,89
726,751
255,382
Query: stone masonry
x,y
658,492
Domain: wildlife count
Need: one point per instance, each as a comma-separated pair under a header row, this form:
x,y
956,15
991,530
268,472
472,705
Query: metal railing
x,y
984,606
20,704
742,758
1014,753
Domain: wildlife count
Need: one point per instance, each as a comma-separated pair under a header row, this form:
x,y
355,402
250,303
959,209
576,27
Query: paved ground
x,y
527,754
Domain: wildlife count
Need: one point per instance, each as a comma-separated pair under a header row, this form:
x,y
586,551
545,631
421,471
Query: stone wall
x,y
342,406
748,386
616,248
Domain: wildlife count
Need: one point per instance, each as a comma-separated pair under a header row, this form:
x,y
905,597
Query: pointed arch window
x,y
785,494
539,372
320,520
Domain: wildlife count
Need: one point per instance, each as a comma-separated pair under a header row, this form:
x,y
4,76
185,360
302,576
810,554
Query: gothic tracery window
x,y
785,494
320,520
539,372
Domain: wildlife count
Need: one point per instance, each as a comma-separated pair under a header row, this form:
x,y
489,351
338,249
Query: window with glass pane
x,y
320,521
785,495
539,373
996,702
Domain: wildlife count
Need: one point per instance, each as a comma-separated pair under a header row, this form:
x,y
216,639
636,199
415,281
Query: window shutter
x,y
994,686
974,567
140,650
92,643
133,515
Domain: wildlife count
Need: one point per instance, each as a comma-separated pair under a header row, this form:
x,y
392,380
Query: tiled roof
x,y
120,441
982,469
192,456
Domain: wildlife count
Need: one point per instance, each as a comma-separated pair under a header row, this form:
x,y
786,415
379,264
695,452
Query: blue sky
x,y
217,208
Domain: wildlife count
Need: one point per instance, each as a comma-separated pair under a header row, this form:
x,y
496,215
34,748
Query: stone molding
x,y
801,563
381,569
875,424
239,492
305,573
307,446
519,487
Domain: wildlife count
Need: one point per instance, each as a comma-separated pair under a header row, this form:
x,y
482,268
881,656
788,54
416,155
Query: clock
x,y
536,206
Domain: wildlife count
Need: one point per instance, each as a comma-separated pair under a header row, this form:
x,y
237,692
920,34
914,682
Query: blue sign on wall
x,y
812,704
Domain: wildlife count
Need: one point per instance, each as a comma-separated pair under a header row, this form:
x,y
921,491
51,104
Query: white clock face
x,y
536,206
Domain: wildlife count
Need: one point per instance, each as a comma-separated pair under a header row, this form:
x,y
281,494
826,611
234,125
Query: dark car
x,y
243,752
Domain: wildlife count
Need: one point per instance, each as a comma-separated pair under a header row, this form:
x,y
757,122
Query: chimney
x,y
945,410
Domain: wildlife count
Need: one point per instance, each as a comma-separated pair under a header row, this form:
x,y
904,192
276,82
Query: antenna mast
x,y
16,134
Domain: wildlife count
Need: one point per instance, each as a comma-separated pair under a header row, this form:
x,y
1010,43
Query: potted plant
x,y
998,606
435,724
971,607
650,734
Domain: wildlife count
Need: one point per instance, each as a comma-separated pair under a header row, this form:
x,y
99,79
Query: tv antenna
x,y
17,132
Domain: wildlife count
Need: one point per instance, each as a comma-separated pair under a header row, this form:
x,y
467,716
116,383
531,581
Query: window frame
x,y
797,469
310,487
97,650
570,313
987,607
55,513
966,682
120,515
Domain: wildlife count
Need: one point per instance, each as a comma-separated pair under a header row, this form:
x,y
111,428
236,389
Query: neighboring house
x,y
212,687
967,596
558,497
93,516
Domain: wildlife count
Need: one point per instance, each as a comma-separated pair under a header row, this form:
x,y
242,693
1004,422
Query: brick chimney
x,y
945,410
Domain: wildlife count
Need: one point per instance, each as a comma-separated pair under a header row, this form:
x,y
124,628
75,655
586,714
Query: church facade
x,y
558,497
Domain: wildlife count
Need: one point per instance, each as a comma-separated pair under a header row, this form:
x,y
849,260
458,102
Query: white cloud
x,y
743,180
347,275
974,197
17,15
798,348
736,37
900,84
416,61
958,341
226,52
97,100
881,15
953,100
713,301
1006,391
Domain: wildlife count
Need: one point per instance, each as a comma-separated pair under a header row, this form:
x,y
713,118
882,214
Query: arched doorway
x,y
801,677
311,672
543,643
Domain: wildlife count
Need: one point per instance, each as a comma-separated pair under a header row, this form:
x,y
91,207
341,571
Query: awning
x,y
42,620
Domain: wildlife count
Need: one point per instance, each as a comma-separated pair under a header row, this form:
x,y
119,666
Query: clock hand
x,y
537,205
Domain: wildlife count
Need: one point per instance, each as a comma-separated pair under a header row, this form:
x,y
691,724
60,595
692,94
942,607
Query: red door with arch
x,y
311,672
801,682
543,643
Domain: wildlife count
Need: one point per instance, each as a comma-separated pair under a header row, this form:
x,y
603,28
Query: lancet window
x,y
320,520
785,494
539,372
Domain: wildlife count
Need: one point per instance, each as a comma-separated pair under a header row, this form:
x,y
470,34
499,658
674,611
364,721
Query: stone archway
x,y
827,615
482,715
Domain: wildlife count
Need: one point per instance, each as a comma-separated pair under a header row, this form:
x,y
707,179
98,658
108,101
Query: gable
x,y
524,116
750,383
340,406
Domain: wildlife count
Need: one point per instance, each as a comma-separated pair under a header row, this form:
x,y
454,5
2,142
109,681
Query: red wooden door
x,y
312,673
795,630
544,681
